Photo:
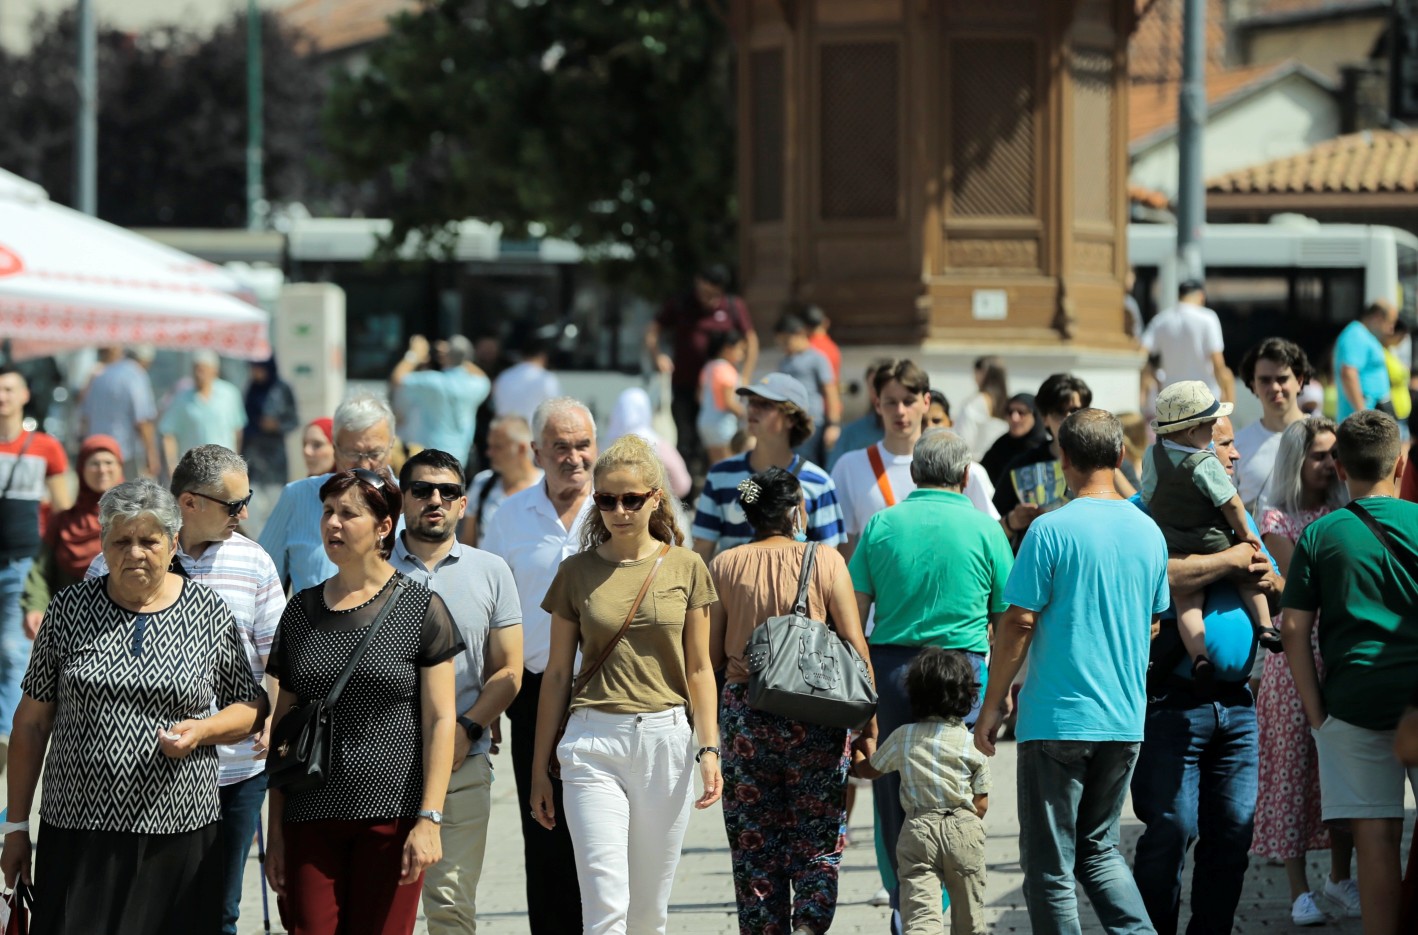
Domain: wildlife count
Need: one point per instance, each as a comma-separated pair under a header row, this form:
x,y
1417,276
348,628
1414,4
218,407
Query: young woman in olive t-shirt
x,y
626,758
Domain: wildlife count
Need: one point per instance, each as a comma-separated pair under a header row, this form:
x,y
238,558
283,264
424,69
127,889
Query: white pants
x,y
627,785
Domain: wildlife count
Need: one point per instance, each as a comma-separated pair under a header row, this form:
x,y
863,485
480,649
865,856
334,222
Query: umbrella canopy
x,y
71,281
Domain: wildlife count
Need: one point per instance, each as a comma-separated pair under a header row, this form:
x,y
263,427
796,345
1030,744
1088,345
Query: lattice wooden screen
x,y
992,128
766,96
860,131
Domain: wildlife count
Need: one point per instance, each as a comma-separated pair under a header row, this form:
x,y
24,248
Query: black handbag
x,y
799,668
299,758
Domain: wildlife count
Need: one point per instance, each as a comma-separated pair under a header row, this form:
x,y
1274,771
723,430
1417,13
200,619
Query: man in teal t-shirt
x,y
1360,580
1088,583
1360,370
935,567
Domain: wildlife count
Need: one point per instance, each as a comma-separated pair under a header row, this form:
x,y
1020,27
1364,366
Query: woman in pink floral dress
x,y
1302,487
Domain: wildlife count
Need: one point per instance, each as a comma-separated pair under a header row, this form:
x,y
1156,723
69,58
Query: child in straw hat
x,y
1197,507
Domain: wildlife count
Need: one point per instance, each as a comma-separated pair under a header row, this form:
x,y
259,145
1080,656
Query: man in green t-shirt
x,y
1358,581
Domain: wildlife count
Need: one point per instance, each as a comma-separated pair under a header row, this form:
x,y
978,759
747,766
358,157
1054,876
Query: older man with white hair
x,y
364,434
947,601
534,531
210,412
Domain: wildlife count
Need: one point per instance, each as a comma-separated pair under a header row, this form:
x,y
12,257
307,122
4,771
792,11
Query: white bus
x,y
1293,278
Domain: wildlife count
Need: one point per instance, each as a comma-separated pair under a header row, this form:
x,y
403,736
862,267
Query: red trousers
x,y
342,878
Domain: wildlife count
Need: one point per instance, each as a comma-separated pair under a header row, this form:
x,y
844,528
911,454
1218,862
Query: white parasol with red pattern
x,y
71,281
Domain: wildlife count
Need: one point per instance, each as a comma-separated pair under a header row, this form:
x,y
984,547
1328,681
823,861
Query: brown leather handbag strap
x,y
587,673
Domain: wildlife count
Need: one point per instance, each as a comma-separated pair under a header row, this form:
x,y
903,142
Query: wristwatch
x,y
432,814
472,728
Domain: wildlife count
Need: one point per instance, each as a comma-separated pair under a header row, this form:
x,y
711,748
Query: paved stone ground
x,y
703,900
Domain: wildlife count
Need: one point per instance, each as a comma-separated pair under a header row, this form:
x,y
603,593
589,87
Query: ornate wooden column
x,y
949,174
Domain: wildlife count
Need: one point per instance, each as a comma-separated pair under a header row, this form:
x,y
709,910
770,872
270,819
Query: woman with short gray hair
x,y
130,809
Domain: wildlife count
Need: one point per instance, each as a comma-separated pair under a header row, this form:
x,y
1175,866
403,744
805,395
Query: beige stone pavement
x,y
703,899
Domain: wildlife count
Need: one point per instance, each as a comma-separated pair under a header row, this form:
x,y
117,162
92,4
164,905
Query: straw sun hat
x,y
1185,404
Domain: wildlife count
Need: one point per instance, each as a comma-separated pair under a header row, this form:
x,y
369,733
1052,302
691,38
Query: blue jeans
x,y
1196,782
241,813
893,709
14,645
1071,796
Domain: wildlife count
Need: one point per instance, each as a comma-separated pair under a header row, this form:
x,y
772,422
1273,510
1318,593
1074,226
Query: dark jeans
x,y
1071,796
241,813
893,709
684,405
553,895
1196,782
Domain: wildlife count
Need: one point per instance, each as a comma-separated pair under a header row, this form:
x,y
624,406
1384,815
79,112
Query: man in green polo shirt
x,y
935,568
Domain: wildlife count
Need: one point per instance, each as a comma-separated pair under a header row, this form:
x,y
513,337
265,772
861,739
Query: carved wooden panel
x,y
856,12
766,118
1005,253
994,12
1094,257
1093,182
993,91
859,121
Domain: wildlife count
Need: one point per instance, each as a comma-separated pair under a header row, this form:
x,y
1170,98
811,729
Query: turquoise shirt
x,y
1096,573
936,568
447,404
215,420
1358,348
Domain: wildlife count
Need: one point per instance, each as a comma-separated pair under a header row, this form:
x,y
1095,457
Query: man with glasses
x,y
481,595
364,435
534,530
212,490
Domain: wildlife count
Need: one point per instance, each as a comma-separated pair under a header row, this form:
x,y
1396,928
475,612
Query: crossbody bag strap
x,y
883,483
29,439
585,677
805,579
343,680
1406,562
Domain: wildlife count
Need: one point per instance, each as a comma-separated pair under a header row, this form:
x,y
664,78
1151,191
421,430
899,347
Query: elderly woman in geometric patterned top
x,y
125,674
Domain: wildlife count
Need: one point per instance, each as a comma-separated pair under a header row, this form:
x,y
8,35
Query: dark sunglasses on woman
x,y
633,502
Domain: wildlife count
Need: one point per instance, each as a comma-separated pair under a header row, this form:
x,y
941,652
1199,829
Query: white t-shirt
x,y
521,388
1258,446
861,498
1185,336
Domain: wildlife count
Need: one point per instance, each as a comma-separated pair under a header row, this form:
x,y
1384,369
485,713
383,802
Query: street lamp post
x,y
86,130
255,188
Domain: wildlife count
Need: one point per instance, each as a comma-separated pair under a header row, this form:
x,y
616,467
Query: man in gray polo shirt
x,y
480,593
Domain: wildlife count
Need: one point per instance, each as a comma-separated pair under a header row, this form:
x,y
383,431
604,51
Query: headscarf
x,y
257,391
326,425
1006,448
632,416
75,533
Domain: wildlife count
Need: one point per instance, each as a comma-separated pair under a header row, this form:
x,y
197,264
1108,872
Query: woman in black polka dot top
x,y
353,850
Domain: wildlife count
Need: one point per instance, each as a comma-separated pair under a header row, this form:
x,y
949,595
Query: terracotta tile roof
x,y
1153,107
332,25
1147,197
1155,49
1376,162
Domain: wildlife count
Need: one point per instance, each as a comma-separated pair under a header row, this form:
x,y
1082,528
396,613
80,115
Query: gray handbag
x,y
798,667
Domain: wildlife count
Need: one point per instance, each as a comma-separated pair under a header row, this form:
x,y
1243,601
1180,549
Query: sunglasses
x,y
233,507
422,490
632,502
369,477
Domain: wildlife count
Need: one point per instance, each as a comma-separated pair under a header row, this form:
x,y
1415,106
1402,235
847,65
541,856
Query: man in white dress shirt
x,y
533,531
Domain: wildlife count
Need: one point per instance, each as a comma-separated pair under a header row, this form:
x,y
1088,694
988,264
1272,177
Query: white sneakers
x,y
1345,893
1305,912
880,898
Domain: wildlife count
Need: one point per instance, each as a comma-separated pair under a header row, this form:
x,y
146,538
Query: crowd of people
x,y
1101,587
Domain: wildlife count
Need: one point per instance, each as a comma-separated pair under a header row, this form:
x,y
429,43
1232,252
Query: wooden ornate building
x,y
949,175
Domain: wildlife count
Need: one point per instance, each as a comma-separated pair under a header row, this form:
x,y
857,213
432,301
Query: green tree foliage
x,y
172,119
607,122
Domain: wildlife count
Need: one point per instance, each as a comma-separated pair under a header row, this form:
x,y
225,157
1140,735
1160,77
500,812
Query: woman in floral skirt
x,y
1302,487
785,781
